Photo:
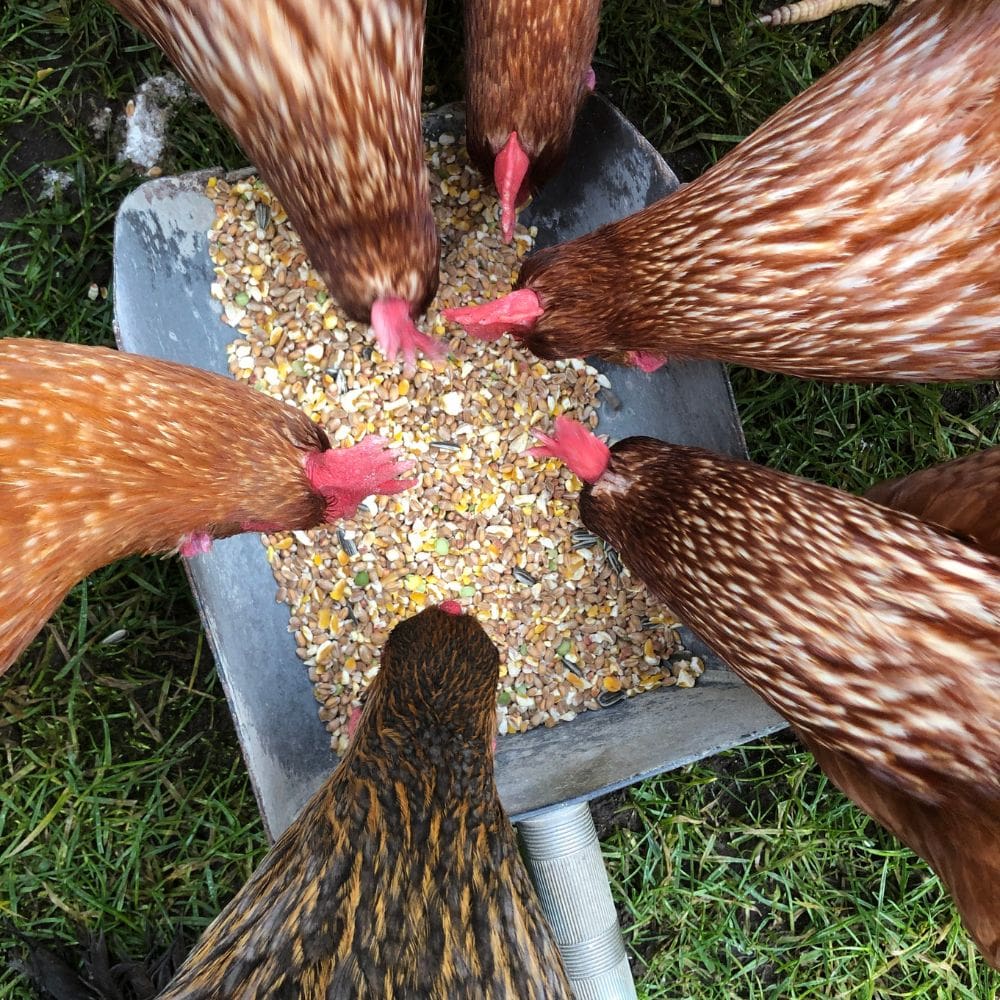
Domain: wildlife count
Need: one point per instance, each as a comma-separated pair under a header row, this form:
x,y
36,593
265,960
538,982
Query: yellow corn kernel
x,y
611,684
339,588
342,558
324,617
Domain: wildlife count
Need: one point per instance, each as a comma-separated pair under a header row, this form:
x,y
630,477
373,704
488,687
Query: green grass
x,y
125,804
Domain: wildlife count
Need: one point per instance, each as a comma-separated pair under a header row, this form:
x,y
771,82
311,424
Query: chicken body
x,y
324,96
962,496
874,634
105,454
527,75
401,877
854,236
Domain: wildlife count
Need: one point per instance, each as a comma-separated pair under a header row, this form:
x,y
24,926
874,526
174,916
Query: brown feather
x,y
104,454
401,877
324,96
875,635
526,62
962,496
855,235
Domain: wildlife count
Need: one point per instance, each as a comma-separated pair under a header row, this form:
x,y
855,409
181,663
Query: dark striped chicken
x,y
401,877
324,97
854,236
527,74
105,454
876,635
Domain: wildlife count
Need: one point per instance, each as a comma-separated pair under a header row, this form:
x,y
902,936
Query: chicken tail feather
x,y
971,872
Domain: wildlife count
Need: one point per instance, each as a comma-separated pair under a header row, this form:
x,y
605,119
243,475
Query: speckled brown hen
x,y
875,635
401,877
855,235
527,75
105,454
324,96
962,496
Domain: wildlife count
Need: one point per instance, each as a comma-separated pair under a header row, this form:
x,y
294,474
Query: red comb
x,y
510,169
516,313
395,331
646,360
451,607
583,451
345,476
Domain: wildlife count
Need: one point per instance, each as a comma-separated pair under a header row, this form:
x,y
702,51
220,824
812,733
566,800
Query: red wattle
x,y
646,360
509,172
451,607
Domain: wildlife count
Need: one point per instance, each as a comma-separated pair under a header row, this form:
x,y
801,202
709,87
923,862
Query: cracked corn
x,y
487,524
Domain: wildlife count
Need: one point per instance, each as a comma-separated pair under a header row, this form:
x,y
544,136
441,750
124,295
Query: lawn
x,y
125,804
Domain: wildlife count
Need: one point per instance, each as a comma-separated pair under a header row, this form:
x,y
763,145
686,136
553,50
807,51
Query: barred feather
x,y
526,72
855,235
324,96
874,634
401,877
105,454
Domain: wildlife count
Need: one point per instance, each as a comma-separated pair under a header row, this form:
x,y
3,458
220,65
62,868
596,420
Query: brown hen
x,y
962,496
324,96
105,454
854,235
401,877
875,635
527,75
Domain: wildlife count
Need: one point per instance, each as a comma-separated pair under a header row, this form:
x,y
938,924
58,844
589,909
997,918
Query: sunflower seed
x,y
347,544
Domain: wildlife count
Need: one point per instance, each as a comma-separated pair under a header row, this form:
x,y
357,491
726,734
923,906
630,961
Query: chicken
x,y
105,454
962,496
527,75
401,877
324,96
853,236
875,635
816,10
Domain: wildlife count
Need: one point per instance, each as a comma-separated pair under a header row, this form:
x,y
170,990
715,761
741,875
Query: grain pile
x,y
487,525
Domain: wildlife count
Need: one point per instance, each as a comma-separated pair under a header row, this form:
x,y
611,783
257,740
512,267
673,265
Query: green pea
x,y
361,578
